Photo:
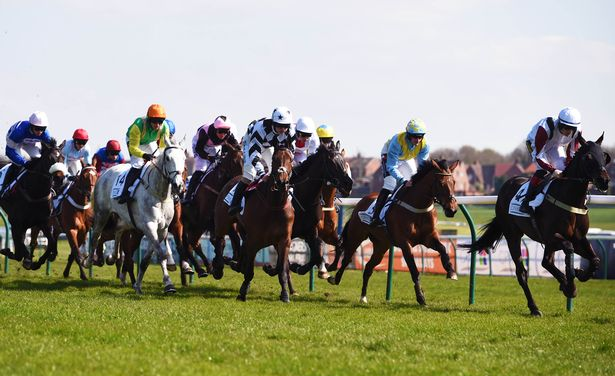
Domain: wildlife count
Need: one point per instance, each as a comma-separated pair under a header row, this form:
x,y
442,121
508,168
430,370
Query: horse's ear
x,y
582,140
343,153
607,158
454,165
599,140
337,145
434,164
61,146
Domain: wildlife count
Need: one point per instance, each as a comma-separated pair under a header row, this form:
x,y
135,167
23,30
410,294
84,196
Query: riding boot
x,y
532,190
235,206
131,177
382,198
192,186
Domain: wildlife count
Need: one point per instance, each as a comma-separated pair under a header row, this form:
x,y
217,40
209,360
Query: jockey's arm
x,y
199,149
539,143
14,156
393,159
134,140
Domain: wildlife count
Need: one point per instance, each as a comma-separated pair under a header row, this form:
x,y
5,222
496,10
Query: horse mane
x,y
426,167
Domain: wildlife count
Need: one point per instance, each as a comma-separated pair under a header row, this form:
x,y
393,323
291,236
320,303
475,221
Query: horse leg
x,y
347,245
322,268
584,249
549,265
283,248
69,264
514,248
406,251
51,251
169,288
73,242
198,249
571,290
380,248
435,244
218,262
235,243
100,220
247,268
291,288
314,244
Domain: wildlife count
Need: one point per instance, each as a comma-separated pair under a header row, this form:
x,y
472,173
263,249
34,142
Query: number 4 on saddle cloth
x,y
515,203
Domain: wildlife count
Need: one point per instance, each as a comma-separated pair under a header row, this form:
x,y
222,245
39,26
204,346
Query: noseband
x,y
451,197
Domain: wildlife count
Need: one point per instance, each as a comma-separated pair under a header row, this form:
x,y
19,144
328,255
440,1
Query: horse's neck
x,y
157,183
308,193
274,197
570,191
328,195
420,195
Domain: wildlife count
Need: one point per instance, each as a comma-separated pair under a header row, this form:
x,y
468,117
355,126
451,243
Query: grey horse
x,y
151,209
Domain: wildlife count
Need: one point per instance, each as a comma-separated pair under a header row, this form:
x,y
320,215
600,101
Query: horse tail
x,y
491,233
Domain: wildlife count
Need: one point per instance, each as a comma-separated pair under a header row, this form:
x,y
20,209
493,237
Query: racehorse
x,y
151,210
29,205
410,220
198,216
326,166
559,223
267,219
74,218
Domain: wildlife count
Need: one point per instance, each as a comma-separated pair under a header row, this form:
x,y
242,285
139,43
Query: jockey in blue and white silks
x,y
23,142
261,136
405,152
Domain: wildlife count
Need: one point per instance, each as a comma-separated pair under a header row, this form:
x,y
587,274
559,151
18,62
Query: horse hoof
x,y
235,266
331,280
52,256
227,260
285,299
294,267
202,274
83,277
109,260
323,275
331,267
138,289
171,267
218,274
188,271
452,275
6,252
363,300
65,274
29,265
294,293
169,289
536,313
241,298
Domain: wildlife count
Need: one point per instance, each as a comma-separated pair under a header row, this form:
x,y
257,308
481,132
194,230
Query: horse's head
x,y
444,186
50,154
590,163
171,164
326,164
281,167
231,162
86,180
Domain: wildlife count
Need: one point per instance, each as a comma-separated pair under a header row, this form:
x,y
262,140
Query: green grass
x,y
52,325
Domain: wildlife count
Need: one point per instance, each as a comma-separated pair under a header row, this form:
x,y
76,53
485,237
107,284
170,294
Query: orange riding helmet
x,y
156,111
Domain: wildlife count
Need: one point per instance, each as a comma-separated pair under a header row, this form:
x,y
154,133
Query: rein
x,y
428,209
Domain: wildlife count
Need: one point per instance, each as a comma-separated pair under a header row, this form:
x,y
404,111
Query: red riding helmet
x,y
113,145
81,134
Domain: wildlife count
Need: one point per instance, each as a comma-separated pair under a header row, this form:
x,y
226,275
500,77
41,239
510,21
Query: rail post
x,y
7,240
473,252
390,274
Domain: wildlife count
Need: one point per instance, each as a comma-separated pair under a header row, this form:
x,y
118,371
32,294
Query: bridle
x,y
86,192
435,198
168,175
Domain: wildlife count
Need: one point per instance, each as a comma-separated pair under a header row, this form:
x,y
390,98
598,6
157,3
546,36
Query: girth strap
x,y
564,206
412,208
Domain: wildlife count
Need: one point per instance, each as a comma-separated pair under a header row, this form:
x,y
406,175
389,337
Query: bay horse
x,y
267,219
410,220
198,216
150,212
28,205
325,166
561,222
75,216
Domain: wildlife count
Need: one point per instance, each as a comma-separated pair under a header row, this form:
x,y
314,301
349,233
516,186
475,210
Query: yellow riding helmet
x,y
416,127
325,131
156,111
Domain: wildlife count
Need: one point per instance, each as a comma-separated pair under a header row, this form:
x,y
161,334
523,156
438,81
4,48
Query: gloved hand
x,y
71,178
556,174
28,165
147,157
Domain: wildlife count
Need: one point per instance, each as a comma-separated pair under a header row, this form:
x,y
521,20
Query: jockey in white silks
x,y
305,145
76,152
552,144
261,136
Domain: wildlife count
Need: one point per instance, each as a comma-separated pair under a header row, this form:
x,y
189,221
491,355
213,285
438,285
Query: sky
x,y
478,72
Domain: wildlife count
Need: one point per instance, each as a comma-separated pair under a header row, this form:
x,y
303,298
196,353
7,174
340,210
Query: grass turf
x,y
53,325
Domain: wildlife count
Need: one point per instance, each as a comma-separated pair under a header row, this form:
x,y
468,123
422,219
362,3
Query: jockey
x,y
76,152
261,135
305,144
59,175
23,143
108,156
552,144
402,153
325,134
206,145
145,136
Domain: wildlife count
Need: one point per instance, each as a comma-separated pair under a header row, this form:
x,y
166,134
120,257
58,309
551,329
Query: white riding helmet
x,y
282,115
39,118
305,124
570,117
58,166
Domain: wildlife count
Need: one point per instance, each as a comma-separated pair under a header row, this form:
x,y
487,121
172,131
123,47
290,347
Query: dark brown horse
x,y
326,166
410,220
267,219
561,222
198,216
28,205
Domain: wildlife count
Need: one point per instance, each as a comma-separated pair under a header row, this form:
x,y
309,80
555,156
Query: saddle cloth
x,y
56,201
366,215
515,203
118,184
3,172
